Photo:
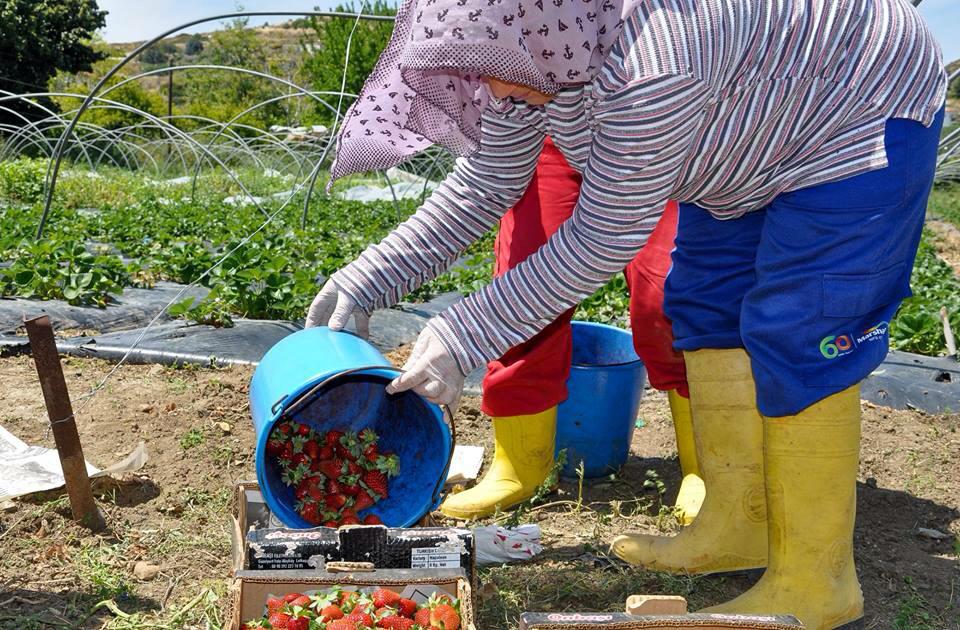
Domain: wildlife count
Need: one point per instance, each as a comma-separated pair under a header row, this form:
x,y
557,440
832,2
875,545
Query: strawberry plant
x,y
917,326
66,270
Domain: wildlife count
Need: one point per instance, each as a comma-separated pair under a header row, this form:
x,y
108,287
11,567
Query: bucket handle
x,y
296,406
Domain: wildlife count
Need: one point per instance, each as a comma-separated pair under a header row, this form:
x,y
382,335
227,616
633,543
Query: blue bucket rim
x,y
387,372
606,366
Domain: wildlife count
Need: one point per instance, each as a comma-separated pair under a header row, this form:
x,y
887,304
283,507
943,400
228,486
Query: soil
x,y
174,512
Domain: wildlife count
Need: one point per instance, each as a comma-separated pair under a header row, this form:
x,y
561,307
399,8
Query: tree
x,y
40,37
325,60
222,94
194,45
132,94
158,55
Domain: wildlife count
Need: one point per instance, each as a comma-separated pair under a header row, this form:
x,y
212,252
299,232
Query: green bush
x,y
324,63
23,179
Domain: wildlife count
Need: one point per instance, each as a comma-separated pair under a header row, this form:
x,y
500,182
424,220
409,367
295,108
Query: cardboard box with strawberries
x,y
263,544
391,598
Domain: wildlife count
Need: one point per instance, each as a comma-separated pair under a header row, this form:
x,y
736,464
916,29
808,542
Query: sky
x,y
134,21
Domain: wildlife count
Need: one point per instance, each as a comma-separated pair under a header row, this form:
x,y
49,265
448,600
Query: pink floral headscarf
x,y
427,88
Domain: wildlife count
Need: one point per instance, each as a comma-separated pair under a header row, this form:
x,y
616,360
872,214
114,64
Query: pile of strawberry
x,y
340,609
335,476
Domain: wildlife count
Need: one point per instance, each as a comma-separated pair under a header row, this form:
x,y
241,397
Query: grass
x,y
914,612
192,438
945,203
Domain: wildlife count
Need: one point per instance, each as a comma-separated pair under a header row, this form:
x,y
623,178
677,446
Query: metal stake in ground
x,y
43,347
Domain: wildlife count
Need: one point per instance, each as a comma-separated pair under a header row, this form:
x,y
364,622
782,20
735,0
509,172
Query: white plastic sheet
x,y
498,545
26,469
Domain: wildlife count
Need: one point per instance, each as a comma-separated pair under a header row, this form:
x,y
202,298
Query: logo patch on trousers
x,y
833,346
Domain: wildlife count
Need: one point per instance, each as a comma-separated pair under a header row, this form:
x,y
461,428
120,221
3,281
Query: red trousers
x,y
532,376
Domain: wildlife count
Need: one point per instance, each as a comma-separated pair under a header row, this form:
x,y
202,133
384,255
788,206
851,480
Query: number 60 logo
x,y
831,347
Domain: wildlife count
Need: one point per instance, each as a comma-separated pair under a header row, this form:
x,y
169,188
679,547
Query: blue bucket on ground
x,y
336,380
595,424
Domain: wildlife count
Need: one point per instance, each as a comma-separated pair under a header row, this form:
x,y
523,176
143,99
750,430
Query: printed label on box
x,y
433,558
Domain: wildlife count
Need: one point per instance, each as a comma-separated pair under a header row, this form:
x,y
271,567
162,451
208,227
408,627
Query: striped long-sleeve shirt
x,y
722,103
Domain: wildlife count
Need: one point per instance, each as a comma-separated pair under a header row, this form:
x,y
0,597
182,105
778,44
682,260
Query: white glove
x,y
332,307
431,372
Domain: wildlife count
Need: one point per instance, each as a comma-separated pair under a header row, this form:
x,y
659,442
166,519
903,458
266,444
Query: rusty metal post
x,y
43,347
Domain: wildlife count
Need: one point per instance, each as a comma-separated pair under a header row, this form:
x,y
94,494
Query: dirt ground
x,y
174,513
947,241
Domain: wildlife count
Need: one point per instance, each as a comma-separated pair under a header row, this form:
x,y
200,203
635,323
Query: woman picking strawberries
x,y
800,138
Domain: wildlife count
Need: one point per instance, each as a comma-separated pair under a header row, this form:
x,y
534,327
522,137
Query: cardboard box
x,y
623,621
262,544
252,588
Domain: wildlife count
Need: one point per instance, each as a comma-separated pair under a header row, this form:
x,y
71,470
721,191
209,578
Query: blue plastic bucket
x,y
336,380
595,424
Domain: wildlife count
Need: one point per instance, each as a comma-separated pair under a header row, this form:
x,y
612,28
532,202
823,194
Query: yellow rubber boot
x,y
730,532
522,459
691,493
811,470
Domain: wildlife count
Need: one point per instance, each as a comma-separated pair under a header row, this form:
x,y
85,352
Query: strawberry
x,y
349,447
388,464
348,600
315,488
331,612
350,485
333,438
275,447
275,604
289,597
445,617
407,607
383,598
350,520
279,620
422,618
371,453
311,449
300,459
361,619
362,501
304,430
287,453
333,487
299,623
284,429
301,491
341,624
353,468
311,513
395,622
367,436
344,453
293,476
372,519
303,601
326,452
332,524
376,481
335,501
331,468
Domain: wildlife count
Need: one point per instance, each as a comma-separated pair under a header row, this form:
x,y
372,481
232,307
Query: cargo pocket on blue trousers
x,y
854,332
